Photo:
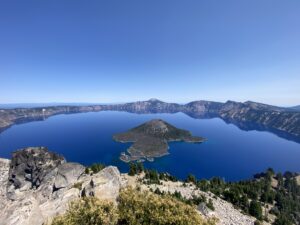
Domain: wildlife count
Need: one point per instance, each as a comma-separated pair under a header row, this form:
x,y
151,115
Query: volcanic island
x,y
150,140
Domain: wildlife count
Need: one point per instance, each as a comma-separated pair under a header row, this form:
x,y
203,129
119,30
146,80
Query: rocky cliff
x,y
9,117
263,117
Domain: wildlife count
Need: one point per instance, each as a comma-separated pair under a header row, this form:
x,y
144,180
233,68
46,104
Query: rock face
x,y
107,179
36,185
151,139
296,108
67,173
31,167
251,115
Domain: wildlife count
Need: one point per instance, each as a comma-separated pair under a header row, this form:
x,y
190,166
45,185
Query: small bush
x,y
135,168
210,205
87,170
255,209
134,208
191,179
97,167
257,222
148,208
88,211
78,185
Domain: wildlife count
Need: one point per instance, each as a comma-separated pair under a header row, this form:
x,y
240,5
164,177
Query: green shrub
x,y
257,222
210,205
283,220
132,169
97,167
255,209
152,177
167,177
147,208
78,185
135,168
191,179
88,211
87,170
133,208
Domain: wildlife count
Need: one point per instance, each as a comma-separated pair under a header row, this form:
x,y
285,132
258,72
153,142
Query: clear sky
x,y
127,50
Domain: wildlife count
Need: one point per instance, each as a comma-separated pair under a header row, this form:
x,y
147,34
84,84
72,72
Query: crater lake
x,y
229,152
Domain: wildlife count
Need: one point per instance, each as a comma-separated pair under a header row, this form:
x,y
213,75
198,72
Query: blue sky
x,y
119,51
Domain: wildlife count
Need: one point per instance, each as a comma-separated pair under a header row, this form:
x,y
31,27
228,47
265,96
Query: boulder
x,y
30,168
67,173
104,185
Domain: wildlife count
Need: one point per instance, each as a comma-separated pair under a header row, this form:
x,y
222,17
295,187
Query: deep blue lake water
x,y
229,152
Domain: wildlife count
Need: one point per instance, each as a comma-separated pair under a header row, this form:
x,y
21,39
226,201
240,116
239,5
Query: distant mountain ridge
x,y
247,116
297,107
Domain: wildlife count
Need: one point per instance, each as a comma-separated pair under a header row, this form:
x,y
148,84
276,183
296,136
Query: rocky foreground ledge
x,y
36,185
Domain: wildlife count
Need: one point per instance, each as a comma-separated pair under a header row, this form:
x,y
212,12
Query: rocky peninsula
x,y
151,139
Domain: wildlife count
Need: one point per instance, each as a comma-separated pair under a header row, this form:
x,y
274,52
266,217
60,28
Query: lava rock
x,y
31,167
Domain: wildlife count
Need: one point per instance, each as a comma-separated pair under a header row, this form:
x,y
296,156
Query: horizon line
x,y
55,103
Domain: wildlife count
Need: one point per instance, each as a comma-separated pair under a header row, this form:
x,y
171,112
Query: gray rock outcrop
x,y
67,173
107,179
37,185
30,168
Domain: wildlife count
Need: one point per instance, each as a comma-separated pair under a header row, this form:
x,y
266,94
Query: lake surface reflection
x,y
230,152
